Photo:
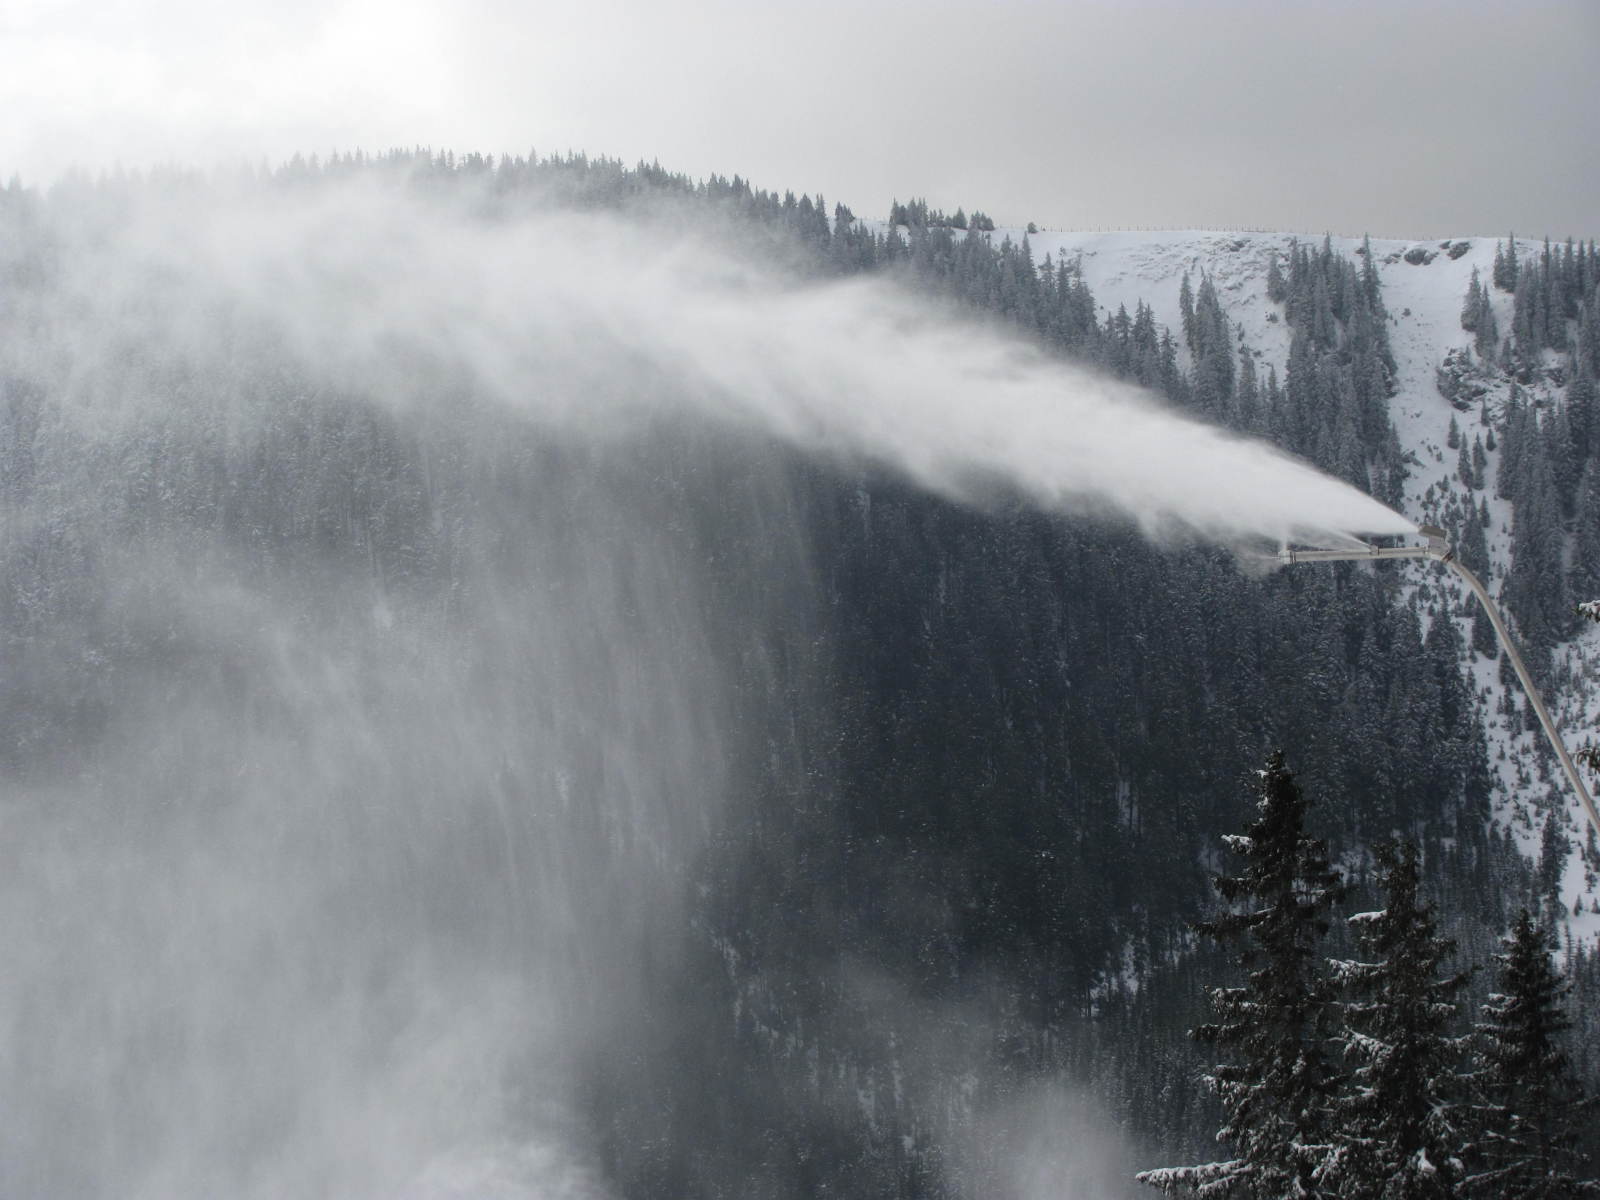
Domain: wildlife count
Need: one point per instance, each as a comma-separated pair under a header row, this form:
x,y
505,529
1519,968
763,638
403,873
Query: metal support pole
x,y
1439,550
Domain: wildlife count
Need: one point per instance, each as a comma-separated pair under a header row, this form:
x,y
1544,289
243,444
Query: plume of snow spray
x,y
362,695
597,323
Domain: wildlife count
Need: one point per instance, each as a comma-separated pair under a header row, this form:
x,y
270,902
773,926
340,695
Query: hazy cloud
x,y
1399,119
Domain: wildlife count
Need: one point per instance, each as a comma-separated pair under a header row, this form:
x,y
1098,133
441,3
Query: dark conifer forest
x,y
982,758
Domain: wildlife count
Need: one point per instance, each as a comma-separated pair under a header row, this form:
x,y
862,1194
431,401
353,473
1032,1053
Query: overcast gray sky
x,y
1405,118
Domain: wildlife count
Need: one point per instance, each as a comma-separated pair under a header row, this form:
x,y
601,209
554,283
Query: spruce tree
x,y
1370,286
1473,550
1402,1117
1589,754
1277,286
1554,847
1277,1091
1186,310
1486,334
1531,1107
1505,266
1473,304
1535,589
1585,570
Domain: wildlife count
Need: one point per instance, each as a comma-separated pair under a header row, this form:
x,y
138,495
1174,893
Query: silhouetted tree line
x,y
1554,303
917,214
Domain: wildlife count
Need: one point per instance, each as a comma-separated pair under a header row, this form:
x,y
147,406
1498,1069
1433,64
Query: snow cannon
x,y
1437,547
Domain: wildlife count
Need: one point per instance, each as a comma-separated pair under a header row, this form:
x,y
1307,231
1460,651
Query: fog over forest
x,y
542,679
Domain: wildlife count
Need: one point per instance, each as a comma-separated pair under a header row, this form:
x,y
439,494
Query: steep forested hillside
x,y
977,758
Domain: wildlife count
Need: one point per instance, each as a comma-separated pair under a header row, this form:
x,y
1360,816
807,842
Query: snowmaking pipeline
x,y
1438,549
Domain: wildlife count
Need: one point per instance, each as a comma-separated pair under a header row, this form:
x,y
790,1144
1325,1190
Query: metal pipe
x,y
1440,551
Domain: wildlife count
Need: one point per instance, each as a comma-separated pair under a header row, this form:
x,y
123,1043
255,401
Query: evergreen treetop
x,y
1401,1117
1277,1095
1530,1105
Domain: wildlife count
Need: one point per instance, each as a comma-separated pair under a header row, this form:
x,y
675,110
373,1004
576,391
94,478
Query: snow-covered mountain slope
x,y
1424,284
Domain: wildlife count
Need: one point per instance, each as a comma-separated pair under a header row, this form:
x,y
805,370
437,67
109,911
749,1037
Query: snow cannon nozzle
x,y
1437,542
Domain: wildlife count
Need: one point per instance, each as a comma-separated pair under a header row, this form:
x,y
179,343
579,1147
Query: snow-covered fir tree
x,y
1589,755
1401,1118
1530,1106
1278,1091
